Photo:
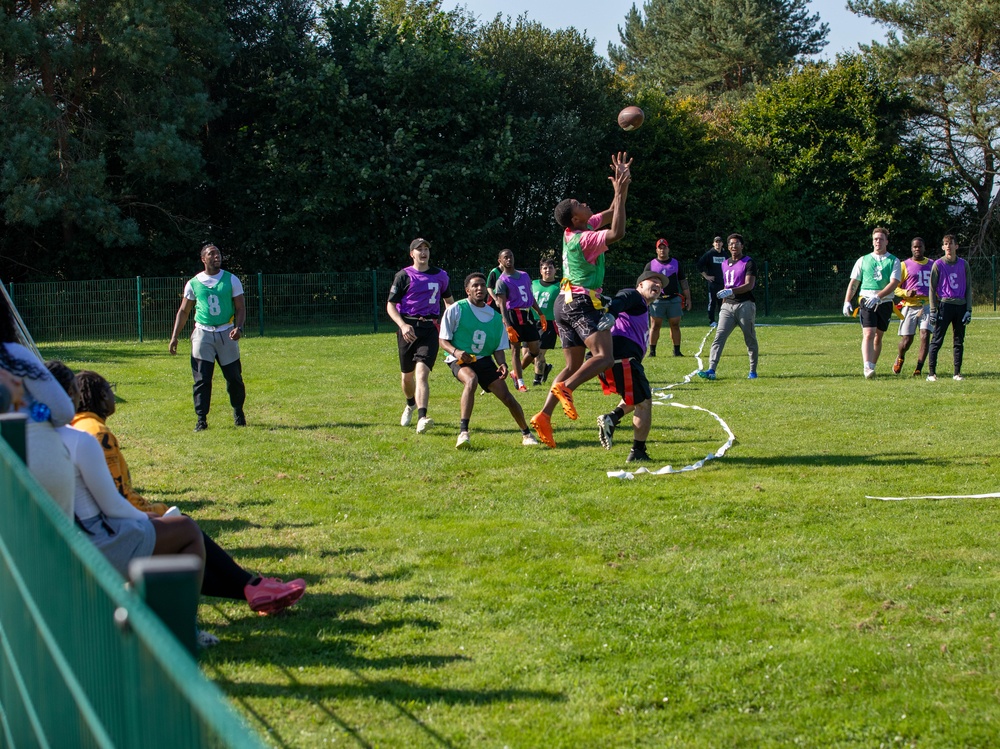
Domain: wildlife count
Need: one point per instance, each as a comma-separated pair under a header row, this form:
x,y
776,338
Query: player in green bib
x,y
475,338
545,289
877,275
219,313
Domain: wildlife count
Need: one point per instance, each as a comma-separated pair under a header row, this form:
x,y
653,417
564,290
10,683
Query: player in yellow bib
x,y
219,313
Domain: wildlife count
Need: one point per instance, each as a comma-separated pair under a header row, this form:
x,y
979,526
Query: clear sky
x,y
601,19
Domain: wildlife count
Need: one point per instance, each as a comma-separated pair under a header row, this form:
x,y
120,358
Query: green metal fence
x,y
84,662
354,302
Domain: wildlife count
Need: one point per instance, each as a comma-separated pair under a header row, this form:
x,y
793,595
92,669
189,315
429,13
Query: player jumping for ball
x,y
579,309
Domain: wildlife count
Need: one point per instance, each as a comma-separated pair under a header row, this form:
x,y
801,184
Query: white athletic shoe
x,y
407,417
463,441
528,440
205,639
424,424
958,377
931,378
869,373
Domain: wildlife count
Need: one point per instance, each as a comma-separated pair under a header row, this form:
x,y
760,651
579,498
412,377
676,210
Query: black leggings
x,y
948,314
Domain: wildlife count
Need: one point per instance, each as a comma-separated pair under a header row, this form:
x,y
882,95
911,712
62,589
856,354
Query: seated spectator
x,y
47,406
224,578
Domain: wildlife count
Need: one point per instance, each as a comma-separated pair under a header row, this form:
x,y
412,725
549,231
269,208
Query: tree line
x,y
322,137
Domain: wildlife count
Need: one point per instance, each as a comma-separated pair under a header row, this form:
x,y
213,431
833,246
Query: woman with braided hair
x,y
47,406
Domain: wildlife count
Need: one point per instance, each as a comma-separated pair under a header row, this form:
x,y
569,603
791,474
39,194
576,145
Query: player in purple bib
x,y
415,306
912,293
626,377
950,303
516,300
674,299
739,307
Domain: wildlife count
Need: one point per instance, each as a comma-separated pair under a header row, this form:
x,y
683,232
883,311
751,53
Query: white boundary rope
x,y
662,398
937,496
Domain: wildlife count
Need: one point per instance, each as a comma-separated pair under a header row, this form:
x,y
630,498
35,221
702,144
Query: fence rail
x,y
83,662
354,302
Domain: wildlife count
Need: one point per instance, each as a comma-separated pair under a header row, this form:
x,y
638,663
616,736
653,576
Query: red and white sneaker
x,y
271,595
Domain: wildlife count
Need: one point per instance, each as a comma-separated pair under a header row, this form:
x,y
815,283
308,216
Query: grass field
x,y
517,597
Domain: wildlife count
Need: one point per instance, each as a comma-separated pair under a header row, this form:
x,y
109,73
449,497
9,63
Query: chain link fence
x,y
354,302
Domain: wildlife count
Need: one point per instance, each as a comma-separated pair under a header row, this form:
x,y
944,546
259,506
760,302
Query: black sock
x,y
411,402
224,578
421,413
677,349
652,349
463,425
526,431
639,446
617,415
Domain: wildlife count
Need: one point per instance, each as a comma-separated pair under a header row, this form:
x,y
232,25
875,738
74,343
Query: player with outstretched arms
x,y
580,312
414,304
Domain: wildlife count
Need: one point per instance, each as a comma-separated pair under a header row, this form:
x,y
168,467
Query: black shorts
x,y
627,378
547,339
577,320
523,325
485,368
878,317
424,349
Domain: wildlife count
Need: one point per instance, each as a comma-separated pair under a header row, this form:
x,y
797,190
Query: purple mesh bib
x,y
423,298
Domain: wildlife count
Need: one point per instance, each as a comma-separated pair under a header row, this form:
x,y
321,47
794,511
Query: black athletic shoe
x,y
239,418
652,350
202,424
536,382
605,430
548,368
677,352
634,456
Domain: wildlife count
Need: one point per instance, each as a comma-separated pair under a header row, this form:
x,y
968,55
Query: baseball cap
x,y
661,242
718,239
647,274
417,242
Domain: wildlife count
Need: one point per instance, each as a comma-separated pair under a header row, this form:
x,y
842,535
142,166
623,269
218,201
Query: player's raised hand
x,y
621,163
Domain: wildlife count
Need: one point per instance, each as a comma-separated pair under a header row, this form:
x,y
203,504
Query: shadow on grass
x,y
403,573
833,460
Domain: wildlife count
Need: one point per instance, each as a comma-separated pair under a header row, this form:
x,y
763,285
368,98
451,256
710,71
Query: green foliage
x,y
947,56
709,47
104,104
517,596
833,138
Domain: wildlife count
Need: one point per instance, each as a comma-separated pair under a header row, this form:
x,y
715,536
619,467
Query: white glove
x,y
848,309
724,294
872,302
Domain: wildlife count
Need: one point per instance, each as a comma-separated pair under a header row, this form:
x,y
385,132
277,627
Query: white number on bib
x,y
543,299
925,279
435,289
478,341
524,294
730,278
214,308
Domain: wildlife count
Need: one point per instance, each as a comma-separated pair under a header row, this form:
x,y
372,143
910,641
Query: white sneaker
x,y
424,424
528,440
407,417
869,373
958,377
463,440
931,378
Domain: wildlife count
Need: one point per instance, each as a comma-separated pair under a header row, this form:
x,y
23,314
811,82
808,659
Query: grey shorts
x,y
121,539
214,346
915,317
668,308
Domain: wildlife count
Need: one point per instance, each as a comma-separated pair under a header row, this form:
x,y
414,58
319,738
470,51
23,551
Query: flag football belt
x,y
608,381
519,315
422,322
567,289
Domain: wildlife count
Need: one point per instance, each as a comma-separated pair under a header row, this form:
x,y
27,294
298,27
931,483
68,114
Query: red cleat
x,y
271,595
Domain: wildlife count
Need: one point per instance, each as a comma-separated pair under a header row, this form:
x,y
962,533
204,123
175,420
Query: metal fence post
x,y
138,304
767,292
260,301
374,301
993,267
